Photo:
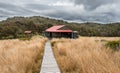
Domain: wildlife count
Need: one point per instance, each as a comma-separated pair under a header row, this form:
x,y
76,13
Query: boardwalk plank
x,y
49,64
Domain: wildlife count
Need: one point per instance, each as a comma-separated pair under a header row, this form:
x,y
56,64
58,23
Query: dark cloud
x,y
93,4
102,17
71,10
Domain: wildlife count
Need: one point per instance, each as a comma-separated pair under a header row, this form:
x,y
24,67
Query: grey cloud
x,y
93,4
93,10
39,6
10,10
96,17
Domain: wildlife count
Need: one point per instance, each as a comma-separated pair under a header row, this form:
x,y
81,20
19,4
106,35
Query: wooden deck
x,y
49,64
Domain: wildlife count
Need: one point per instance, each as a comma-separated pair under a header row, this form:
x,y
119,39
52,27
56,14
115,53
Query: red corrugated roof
x,y
56,29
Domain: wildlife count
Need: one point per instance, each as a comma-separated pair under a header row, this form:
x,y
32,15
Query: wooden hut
x,y
59,31
28,33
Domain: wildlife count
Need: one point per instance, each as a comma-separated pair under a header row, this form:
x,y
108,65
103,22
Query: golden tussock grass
x,y
17,56
86,55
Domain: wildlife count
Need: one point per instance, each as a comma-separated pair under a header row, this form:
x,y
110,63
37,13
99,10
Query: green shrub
x,y
115,45
25,38
53,43
103,40
21,36
10,37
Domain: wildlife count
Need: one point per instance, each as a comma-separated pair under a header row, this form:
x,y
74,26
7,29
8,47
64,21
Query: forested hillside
x,y
15,27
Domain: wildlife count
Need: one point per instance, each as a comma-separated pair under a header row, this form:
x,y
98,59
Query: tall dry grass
x,y
86,55
17,56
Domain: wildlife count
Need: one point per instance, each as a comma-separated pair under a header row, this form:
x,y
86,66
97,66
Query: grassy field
x,y
86,55
18,56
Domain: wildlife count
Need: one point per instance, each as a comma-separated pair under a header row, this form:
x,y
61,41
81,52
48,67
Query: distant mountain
x,y
15,27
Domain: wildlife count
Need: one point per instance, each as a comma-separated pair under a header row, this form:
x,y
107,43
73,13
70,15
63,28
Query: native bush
x,y
115,45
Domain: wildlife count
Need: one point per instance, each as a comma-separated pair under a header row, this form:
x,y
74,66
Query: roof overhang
x,y
60,31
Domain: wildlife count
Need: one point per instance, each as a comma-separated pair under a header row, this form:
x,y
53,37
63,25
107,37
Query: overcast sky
x,y
104,11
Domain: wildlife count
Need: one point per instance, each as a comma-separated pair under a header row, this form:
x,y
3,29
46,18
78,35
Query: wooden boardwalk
x,y
49,64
